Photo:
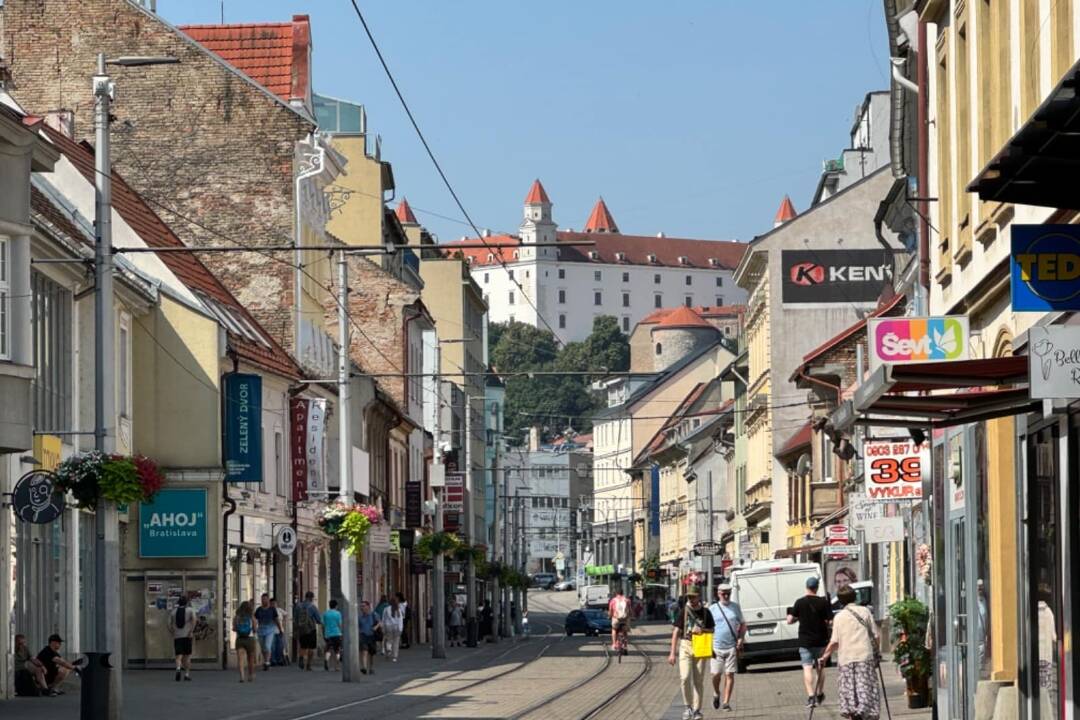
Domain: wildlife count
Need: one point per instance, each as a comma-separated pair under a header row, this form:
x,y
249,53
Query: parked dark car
x,y
587,622
543,581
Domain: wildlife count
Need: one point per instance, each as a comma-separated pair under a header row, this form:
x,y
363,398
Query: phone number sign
x,y
895,469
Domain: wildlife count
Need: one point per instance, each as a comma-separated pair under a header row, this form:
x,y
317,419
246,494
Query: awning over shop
x,y
792,552
1038,165
949,393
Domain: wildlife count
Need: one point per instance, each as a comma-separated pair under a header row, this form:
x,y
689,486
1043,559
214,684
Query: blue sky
x,y
693,118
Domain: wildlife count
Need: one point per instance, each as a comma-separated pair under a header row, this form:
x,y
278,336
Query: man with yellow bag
x,y
691,643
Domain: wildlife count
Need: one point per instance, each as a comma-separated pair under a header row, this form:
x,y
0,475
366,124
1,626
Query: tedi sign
x,y
1045,267
173,525
918,339
834,276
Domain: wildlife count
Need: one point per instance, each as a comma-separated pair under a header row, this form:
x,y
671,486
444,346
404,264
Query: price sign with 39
x,y
894,469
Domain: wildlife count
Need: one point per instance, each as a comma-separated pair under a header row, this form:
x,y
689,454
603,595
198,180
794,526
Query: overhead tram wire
x,y
496,252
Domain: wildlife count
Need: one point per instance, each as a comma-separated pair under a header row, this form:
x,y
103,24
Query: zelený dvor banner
x,y
834,276
243,428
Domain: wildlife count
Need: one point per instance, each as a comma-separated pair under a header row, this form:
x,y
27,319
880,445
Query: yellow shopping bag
x,y
702,645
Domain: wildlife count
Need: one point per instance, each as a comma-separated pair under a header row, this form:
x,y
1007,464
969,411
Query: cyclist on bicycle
x,y
619,611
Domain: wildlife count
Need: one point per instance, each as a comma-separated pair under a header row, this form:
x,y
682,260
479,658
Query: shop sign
x,y
1054,361
307,426
597,570
173,524
379,538
894,469
881,530
454,492
841,549
918,339
834,276
286,540
708,547
414,514
243,428
36,499
1045,267
47,451
863,509
395,542
836,532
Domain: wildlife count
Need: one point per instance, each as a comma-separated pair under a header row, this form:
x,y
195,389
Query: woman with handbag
x,y
855,641
691,643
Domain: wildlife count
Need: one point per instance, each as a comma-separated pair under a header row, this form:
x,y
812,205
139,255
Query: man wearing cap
x,y
814,616
727,644
56,667
691,619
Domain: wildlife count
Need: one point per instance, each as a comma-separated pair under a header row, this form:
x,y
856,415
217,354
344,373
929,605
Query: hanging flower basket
x,y
350,524
693,578
437,543
119,478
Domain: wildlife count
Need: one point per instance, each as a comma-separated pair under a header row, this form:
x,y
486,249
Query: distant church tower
x,y
537,227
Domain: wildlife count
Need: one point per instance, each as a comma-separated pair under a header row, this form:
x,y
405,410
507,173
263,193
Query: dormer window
x,y
651,258
620,256
469,260
593,255
515,254
713,262
491,257
683,260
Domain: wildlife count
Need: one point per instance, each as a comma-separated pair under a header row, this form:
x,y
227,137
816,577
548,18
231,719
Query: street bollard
x,y
94,696
472,632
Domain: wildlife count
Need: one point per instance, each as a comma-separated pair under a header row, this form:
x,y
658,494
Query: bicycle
x,y
620,641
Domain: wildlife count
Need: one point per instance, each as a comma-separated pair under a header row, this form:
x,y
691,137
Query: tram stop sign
x,y
708,547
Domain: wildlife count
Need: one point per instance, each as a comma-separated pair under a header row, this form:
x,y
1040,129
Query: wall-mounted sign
x,y
173,525
596,570
899,340
1045,267
886,529
454,492
1054,361
286,540
708,547
894,469
47,451
307,426
243,428
379,538
834,276
414,504
36,499
863,509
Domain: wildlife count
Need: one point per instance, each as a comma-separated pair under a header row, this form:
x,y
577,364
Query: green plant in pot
x,y
910,622
436,543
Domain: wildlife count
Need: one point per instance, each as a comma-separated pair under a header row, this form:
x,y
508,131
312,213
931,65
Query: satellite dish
x,y
804,465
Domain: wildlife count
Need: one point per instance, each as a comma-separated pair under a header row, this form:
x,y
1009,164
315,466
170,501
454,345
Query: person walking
x,y
369,629
457,621
692,619
331,622
393,622
268,627
278,656
182,623
813,614
727,644
244,625
406,616
855,640
306,620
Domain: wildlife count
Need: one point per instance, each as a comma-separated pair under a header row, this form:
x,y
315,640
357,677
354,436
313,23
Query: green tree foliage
x,y
554,402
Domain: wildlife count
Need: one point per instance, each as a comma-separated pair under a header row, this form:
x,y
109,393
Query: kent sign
x,y
173,525
894,469
1045,267
834,276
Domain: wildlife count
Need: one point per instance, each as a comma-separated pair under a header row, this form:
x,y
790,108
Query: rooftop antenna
x,y
222,12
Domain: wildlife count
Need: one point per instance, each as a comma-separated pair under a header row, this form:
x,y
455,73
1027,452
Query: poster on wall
x,y
829,277
894,469
243,428
839,574
173,525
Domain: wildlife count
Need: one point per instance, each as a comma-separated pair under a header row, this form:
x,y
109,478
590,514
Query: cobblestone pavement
x,y
548,676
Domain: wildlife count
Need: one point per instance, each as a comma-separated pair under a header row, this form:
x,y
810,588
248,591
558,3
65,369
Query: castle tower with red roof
x,y
537,227
785,213
600,219
680,333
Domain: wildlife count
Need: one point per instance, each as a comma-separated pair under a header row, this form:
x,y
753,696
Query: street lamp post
x,y
107,618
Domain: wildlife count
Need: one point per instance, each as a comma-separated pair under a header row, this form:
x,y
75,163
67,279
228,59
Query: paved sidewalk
x,y
776,691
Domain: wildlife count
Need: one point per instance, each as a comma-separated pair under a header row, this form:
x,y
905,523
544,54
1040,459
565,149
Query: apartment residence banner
x,y
900,340
894,469
1045,267
243,428
298,426
831,277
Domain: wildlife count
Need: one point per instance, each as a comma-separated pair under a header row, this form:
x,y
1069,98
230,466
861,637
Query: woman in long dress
x,y
855,640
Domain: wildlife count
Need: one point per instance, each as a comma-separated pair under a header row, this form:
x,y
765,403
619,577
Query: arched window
x,y
659,348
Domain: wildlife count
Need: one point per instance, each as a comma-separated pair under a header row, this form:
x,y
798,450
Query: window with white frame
x,y
53,369
123,366
826,458
281,473
5,299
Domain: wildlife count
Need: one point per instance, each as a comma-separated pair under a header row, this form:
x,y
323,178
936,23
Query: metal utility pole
x,y
711,538
496,590
505,501
470,564
438,475
350,657
107,616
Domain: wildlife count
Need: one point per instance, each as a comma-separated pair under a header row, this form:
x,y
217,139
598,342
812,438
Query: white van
x,y
764,592
595,596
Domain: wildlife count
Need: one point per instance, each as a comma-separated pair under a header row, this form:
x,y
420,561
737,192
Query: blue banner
x,y
243,428
173,525
654,501
1045,267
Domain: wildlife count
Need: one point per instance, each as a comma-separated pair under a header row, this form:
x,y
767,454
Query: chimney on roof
x,y
534,438
785,213
486,232
660,235
62,121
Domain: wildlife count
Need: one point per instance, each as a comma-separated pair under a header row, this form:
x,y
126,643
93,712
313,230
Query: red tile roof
x,y
404,213
705,311
537,194
275,55
682,317
797,441
786,212
659,440
186,266
600,220
40,204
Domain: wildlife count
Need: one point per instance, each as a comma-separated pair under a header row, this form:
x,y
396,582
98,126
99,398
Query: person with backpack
x,y
306,620
182,622
855,641
267,619
244,625
727,644
619,612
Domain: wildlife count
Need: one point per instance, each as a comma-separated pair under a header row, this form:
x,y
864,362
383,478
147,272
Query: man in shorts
x,y
814,615
619,611
331,622
727,644
369,626
306,620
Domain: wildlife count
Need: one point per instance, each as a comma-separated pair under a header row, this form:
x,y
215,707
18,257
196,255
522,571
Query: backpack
x,y
621,608
305,624
243,626
181,616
